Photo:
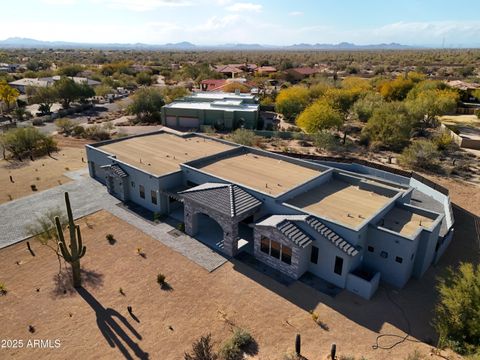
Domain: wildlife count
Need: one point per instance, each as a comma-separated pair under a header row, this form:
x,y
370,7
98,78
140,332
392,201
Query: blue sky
x,y
282,22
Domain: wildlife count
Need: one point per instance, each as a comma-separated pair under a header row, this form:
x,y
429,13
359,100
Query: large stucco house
x,y
219,110
350,225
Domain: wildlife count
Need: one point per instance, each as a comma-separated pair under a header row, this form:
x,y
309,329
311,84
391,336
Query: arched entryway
x,y
208,231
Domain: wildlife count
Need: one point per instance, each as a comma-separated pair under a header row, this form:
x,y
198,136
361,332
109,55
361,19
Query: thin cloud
x,y
243,6
142,5
295,13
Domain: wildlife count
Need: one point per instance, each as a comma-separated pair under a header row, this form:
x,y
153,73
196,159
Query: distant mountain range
x,y
25,43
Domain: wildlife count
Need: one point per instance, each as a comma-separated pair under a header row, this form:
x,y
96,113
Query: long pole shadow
x,y
111,328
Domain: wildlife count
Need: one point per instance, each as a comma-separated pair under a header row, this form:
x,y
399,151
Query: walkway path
x,y
88,196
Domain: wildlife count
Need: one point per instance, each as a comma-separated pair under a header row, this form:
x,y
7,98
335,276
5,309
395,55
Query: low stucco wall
x,y
362,287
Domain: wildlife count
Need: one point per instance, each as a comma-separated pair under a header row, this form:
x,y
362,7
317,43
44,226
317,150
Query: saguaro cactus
x,y
75,251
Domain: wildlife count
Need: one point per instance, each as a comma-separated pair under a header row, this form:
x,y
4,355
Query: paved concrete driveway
x,y
88,196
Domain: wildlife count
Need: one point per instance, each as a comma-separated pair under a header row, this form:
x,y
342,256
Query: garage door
x,y
171,121
188,122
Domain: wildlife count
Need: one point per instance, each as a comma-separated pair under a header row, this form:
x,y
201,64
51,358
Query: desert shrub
x,y
324,140
27,141
181,227
111,239
243,137
457,313
96,132
234,347
202,349
78,131
37,122
64,125
161,279
3,289
421,154
230,351
33,187
443,140
242,338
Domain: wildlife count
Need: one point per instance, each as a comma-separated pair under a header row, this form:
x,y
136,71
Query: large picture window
x,y
276,250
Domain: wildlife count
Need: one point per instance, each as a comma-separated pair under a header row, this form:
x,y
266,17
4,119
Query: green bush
x,y
457,314
96,132
421,154
243,137
443,140
161,279
181,227
477,113
325,140
242,338
202,349
111,239
3,289
234,347
78,130
230,351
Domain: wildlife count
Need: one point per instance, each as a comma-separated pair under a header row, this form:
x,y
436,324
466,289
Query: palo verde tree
x,y
292,101
457,314
8,95
73,252
319,116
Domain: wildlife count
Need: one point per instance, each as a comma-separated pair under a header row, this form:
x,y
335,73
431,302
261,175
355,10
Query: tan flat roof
x,y
162,153
404,222
341,201
269,175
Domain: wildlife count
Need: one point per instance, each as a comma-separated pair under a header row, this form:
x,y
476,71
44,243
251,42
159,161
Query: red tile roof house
x,y
219,84
301,73
266,70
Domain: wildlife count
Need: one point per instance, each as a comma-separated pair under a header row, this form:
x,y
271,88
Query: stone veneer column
x,y
230,239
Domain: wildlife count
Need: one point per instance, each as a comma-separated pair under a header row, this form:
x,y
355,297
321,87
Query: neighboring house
x,y
22,84
301,73
266,70
347,224
220,84
216,109
10,68
466,89
212,84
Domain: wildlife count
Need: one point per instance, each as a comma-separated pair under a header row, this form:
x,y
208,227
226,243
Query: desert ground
x,y
45,172
166,321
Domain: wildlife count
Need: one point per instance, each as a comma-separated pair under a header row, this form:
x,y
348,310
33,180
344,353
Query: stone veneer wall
x,y
292,270
228,224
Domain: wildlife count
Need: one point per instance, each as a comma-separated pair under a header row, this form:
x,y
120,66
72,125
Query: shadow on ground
x,y
110,322
409,309
63,281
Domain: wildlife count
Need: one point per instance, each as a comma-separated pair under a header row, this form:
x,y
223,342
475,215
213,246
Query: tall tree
x,y
319,116
147,104
292,101
8,94
45,97
457,314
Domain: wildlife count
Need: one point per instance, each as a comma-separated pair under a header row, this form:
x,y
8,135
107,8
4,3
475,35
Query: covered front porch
x,y
220,215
